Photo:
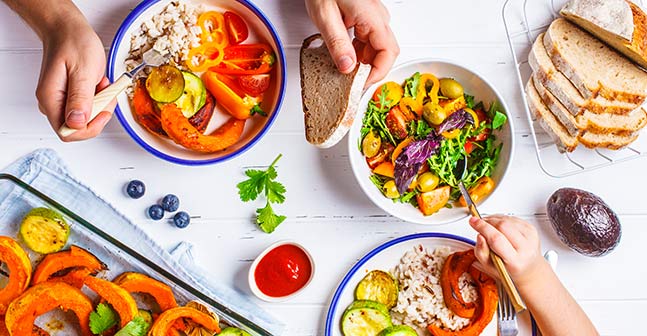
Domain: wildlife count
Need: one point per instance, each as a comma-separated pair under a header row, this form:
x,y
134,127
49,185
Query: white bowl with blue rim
x,y
261,30
473,84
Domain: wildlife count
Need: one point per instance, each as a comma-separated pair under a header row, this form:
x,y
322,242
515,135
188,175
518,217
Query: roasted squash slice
x,y
455,265
120,299
140,283
40,299
19,271
75,257
485,308
74,277
164,323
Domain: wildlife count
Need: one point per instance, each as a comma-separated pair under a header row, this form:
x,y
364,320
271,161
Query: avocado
x,y
584,222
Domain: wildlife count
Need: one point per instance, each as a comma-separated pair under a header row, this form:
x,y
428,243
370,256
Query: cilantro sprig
x,y
136,327
264,182
102,319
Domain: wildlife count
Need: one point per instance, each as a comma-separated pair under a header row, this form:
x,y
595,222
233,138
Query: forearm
x,y
552,306
45,16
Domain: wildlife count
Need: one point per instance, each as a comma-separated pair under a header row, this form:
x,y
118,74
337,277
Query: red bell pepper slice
x,y
246,59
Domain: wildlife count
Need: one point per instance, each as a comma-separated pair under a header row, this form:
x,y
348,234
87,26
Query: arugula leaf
x,y
267,220
375,117
411,85
102,319
498,120
469,100
263,181
137,327
420,129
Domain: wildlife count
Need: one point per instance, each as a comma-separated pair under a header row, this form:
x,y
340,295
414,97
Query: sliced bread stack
x,y
584,92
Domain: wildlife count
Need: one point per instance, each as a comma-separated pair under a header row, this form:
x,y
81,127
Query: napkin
x,y
44,170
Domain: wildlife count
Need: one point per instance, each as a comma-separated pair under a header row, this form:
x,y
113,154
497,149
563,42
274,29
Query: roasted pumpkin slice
x,y
454,267
140,283
180,130
74,276
165,321
120,299
19,271
42,298
75,257
485,308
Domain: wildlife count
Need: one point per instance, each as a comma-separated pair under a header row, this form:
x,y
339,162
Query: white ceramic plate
x,y
261,30
385,257
474,85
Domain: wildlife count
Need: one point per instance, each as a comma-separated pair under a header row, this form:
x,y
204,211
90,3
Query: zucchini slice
x,y
44,230
378,286
398,330
165,84
194,96
365,318
231,331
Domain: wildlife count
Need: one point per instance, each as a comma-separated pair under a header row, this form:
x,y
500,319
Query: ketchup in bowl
x,y
282,271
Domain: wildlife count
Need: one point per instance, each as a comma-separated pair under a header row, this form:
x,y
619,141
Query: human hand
x,y
374,41
514,240
72,71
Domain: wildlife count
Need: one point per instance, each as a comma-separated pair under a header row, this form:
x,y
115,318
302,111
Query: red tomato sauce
x,y
283,271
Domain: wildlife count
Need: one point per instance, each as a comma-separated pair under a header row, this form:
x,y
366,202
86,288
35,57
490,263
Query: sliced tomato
x,y
469,147
254,85
396,122
236,28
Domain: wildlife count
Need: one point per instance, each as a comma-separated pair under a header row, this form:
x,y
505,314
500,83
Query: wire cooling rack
x,y
524,20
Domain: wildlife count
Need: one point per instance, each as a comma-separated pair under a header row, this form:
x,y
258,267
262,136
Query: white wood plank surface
x,y
326,210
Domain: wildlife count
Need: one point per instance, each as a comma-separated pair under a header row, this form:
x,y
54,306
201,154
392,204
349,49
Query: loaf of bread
x,y
619,23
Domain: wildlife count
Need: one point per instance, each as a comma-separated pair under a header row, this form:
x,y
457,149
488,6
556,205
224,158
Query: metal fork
x,y
506,314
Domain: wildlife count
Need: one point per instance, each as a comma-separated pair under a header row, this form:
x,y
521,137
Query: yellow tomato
x,y
393,91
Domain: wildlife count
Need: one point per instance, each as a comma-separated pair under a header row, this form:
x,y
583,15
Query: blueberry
x,y
135,189
170,203
181,219
155,212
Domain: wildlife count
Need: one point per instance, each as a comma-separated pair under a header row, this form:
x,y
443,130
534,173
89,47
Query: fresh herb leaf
x,y
469,100
498,120
264,181
137,327
375,117
411,85
267,220
420,129
102,319
377,181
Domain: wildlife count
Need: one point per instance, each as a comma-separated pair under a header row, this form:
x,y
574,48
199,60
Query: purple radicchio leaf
x,y
413,156
456,120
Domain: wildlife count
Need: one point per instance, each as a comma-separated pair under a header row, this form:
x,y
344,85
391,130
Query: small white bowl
x,y
252,270
473,84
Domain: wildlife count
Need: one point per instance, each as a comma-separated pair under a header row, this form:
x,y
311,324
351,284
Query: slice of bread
x,y
601,123
564,141
592,67
609,141
330,99
619,23
546,74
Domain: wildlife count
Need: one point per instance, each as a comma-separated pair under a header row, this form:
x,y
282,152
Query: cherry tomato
x,y
236,28
254,85
469,147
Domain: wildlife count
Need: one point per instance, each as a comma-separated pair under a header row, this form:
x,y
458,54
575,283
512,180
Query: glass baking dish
x,y
119,257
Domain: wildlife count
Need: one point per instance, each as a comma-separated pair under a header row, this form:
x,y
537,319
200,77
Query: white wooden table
x,y
326,210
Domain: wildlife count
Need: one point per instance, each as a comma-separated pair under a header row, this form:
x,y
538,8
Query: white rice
x,y
174,31
420,301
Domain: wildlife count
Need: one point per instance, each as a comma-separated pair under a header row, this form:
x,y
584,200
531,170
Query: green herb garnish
x,y
137,327
102,319
264,181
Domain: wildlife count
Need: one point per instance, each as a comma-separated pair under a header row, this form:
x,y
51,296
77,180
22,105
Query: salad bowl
x,y
261,31
474,85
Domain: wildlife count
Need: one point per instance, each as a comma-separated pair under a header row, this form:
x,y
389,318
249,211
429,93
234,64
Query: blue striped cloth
x,y
44,170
